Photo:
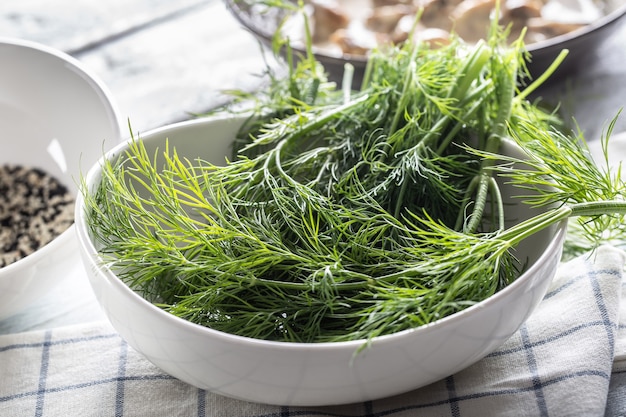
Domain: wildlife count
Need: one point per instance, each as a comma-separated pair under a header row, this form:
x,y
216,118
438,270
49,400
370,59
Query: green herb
x,y
348,215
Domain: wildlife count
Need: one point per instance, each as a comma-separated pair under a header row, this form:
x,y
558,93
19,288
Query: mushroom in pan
x,y
472,19
384,19
353,29
328,17
355,42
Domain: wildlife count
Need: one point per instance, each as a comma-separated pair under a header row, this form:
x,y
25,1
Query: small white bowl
x,y
310,374
56,116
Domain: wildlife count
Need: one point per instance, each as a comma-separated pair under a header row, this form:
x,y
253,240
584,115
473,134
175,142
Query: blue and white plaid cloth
x,y
569,359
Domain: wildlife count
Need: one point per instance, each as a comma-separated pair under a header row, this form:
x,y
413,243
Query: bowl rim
x,y
87,246
536,47
594,26
90,77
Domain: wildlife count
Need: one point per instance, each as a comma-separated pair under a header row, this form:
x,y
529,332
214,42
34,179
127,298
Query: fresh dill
x,y
349,215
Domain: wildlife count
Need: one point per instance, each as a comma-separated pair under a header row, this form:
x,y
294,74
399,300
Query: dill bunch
x,y
346,215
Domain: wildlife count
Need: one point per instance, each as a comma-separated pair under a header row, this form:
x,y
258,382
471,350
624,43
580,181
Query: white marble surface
x,y
162,60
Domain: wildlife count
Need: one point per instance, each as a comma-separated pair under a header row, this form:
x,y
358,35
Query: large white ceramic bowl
x,y
54,115
309,374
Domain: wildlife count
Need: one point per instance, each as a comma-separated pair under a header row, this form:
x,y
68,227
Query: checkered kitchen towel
x,y
560,363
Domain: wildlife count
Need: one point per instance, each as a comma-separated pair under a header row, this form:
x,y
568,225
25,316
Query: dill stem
x,y
495,191
367,74
346,82
522,230
543,77
506,90
404,97
482,185
472,69
529,227
598,208
482,190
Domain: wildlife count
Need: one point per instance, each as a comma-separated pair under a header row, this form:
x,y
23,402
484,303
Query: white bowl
x,y
54,115
309,374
